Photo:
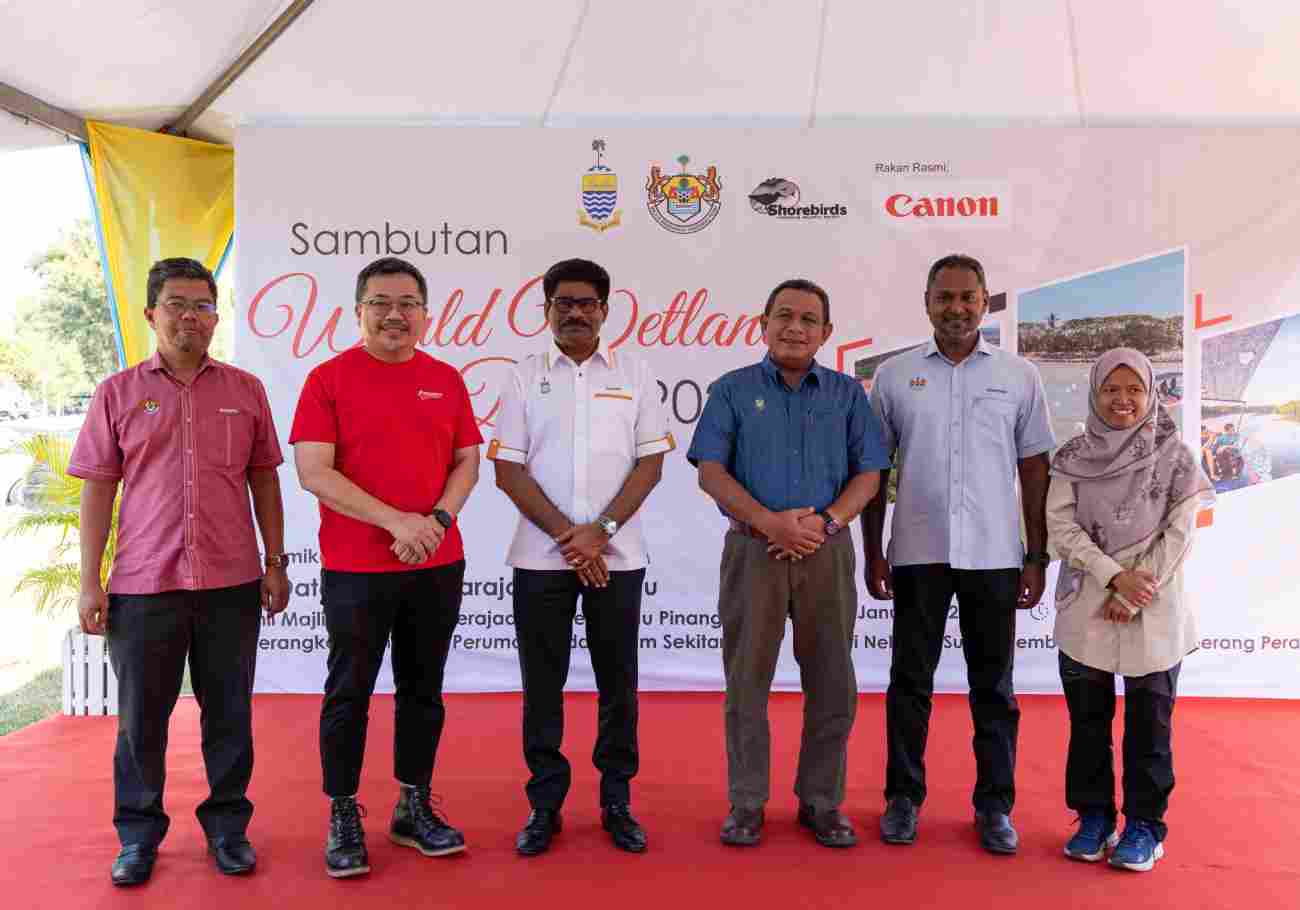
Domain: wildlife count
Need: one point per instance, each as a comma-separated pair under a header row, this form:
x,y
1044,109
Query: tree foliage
x,y
72,303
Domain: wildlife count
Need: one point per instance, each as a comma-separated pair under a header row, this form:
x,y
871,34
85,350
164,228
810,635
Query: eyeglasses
x,y
587,305
178,307
383,304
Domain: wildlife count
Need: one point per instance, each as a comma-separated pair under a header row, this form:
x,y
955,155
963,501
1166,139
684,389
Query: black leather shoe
x,y
624,830
233,853
345,849
134,864
830,827
996,833
742,828
536,836
898,824
416,823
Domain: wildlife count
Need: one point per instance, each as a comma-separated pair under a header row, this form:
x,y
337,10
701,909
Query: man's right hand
x,y
417,534
786,531
880,578
92,611
1135,586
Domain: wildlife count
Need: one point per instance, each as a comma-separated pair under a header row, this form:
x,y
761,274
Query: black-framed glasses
x,y
404,305
587,305
179,307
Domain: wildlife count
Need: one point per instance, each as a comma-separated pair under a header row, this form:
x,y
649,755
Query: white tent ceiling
x,y
666,62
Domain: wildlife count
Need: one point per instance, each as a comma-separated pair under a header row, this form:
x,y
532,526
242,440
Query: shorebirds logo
x,y
599,194
684,203
778,197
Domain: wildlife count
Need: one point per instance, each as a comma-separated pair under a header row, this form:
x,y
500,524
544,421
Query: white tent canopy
x,y
624,62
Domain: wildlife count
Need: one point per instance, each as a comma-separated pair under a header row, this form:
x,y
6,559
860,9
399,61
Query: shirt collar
x,y
774,372
156,364
981,347
554,356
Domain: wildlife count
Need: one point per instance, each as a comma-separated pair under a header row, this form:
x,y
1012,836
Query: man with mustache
x,y
189,438
964,419
580,444
384,436
791,452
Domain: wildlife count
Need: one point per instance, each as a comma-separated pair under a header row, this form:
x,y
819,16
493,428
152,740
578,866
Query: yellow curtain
x,y
158,196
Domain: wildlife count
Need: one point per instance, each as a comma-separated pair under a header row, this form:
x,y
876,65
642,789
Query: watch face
x,y
443,517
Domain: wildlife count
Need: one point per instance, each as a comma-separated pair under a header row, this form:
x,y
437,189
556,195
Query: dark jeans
x,y
1148,751
545,604
987,607
149,637
419,609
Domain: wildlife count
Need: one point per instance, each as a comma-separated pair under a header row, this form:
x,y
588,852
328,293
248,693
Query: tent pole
x,y
21,104
273,31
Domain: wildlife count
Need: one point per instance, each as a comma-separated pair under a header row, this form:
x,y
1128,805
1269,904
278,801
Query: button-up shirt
x,y
960,430
789,448
183,453
579,429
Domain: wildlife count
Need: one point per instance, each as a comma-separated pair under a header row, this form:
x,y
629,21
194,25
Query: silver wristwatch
x,y
608,525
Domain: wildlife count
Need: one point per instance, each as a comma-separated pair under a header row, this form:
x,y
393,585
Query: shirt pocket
x,y
612,422
225,440
993,422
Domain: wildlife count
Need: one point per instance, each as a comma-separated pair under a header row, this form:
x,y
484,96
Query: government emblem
x,y
150,406
599,194
684,203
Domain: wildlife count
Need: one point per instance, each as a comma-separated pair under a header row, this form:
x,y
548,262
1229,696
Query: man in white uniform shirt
x,y
579,445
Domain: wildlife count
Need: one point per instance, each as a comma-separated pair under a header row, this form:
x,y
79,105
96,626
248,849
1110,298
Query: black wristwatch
x,y
443,517
1043,559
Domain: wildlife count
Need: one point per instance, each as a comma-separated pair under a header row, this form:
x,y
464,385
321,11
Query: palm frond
x,y
32,522
55,587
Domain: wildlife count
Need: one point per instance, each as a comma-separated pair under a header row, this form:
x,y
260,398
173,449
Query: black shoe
x,y
742,828
830,827
624,830
898,824
345,850
416,823
537,833
996,833
134,864
233,853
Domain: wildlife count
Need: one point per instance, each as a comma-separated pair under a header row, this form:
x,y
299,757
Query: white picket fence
x,y
89,683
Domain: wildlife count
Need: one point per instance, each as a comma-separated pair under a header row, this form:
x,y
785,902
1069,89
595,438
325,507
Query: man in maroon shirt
x,y
188,438
384,436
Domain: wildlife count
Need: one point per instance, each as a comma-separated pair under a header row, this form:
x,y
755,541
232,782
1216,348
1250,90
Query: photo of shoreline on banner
x,y
1064,326
1250,405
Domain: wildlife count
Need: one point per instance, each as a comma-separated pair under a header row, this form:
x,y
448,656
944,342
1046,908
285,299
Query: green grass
x,y
37,700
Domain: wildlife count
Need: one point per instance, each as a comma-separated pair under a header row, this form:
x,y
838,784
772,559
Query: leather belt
x,y
748,530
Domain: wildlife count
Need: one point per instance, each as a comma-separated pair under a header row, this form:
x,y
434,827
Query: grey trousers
x,y
819,595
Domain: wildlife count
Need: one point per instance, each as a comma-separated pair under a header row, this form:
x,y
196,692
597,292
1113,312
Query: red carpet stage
x,y
1233,822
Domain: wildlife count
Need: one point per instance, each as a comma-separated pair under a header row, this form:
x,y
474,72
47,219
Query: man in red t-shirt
x,y
384,436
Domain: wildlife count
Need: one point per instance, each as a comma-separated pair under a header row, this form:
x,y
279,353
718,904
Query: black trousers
x,y
419,609
1148,749
986,602
149,638
545,604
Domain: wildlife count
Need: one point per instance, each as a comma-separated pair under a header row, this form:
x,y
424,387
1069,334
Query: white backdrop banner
x,y
1179,242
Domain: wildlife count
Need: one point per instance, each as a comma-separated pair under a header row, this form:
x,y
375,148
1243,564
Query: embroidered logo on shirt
x,y
996,391
425,396
546,386
918,382
228,410
759,404
150,406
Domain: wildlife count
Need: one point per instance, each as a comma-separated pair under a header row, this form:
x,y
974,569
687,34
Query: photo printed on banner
x,y
1250,404
1066,325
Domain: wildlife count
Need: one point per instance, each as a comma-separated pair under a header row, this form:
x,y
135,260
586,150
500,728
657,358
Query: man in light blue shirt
x,y
965,421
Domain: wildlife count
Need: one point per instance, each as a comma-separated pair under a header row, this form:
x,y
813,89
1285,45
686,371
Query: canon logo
x,y
901,205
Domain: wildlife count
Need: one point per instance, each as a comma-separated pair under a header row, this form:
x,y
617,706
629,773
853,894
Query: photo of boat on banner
x,y
1066,325
1250,404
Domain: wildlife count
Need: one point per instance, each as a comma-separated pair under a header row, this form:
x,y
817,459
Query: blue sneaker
x,y
1096,833
1138,849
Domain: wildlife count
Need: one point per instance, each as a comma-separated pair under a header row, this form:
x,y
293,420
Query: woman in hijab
x,y
1120,513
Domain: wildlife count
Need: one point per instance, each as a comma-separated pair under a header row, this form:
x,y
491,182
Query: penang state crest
x,y
684,203
599,194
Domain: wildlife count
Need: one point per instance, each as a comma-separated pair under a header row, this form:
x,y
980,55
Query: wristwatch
x,y
608,525
443,517
276,561
833,525
1042,559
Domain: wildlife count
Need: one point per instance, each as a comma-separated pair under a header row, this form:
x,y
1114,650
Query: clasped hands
x,y
1136,587
582,546
794,533
415,537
